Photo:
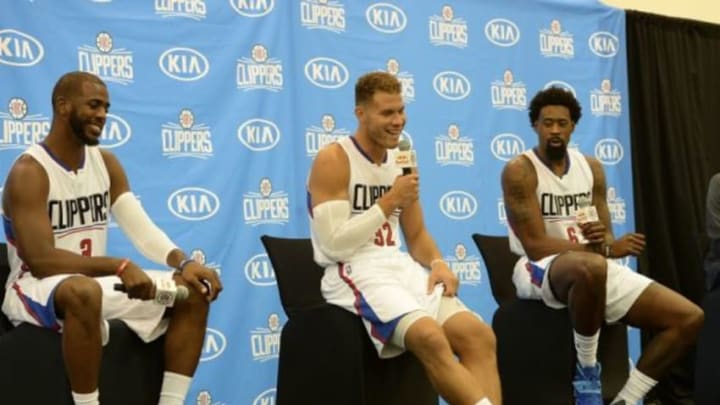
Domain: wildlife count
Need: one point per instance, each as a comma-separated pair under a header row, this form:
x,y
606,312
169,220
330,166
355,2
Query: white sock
x,y
635,388
484,401
174,388
586,348
91,398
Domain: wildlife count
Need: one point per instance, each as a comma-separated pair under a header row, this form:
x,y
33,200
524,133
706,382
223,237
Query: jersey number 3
x,y
86,247
384,235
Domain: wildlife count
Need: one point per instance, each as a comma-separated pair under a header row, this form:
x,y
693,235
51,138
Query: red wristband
x,y
121,267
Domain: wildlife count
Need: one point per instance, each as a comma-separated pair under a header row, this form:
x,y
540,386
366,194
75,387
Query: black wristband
x,y
184,263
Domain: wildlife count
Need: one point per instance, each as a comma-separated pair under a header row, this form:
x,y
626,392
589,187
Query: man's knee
x,y
426,339
692,322
195,302
579,267
467,333
79,295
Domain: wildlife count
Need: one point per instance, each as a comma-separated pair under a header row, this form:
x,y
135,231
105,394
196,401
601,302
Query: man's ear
x,y
63,105
359,112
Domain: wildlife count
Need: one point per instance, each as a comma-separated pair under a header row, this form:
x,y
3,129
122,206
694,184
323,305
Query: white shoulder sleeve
x,y
339,234
147,238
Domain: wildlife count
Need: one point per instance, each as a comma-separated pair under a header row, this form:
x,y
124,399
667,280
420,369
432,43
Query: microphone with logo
x,y
586,212
405,157
166,291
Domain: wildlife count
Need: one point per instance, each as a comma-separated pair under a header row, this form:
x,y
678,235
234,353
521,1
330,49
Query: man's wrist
x,y
183,263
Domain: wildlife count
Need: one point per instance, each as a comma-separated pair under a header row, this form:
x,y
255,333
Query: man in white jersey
x,y
358,201
566,258
57,200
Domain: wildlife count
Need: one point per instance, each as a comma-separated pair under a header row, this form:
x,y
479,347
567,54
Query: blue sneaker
x,y
587,385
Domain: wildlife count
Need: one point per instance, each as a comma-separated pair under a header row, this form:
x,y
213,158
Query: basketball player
x,y
57,200
566,263
358,201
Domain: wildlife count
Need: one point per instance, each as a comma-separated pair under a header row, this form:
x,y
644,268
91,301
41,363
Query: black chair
x,y
326,356
535,350
32,370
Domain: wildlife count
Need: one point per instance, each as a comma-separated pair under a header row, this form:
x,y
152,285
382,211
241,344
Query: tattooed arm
x,y
519,182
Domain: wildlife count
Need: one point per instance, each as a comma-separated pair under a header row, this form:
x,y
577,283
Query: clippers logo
x,y
406,79
111,65
386,18
265,398
561,84
265,342
193,203
502,32
259,271
253,8
609,151
458,205
323,14
451,85
258,134
604,44
327,73
605,100
556,43
317,138
267,206
20,130
186,138
193,9
199,256
213,346
19,49
184,64
259,71
116,132
452,149
616,206
205,398
502,215
508,93
466,268
447,30
506,146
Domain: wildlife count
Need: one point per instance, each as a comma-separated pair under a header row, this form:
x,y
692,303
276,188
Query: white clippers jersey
x,y
78,205
558,197
368,182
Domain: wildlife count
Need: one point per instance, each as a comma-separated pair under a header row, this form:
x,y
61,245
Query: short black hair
x,y
554,96
69,84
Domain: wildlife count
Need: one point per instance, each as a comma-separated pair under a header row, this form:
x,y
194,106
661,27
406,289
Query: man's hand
x,y
406,189
593,231
203,279
137,283
628,244
441,274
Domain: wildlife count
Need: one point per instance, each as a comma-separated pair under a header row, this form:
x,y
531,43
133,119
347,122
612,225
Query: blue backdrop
x,y
218,108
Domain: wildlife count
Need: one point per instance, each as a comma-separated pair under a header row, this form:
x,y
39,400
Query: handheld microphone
x,y
585,212
405,157
166,291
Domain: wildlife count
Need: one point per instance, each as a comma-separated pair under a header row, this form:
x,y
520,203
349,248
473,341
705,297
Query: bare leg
x,y
676,318
455,384
78,301
474,343
185,334
579,280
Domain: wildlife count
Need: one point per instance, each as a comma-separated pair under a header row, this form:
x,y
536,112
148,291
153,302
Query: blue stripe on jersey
x,y
382,331
60,162
7,226
308,199
43,313
536,273
362,152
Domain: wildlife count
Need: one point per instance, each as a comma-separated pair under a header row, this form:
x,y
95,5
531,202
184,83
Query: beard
x,y
77,126
555,153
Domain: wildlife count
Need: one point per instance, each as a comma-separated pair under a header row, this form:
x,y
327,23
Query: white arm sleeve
x,y
147,238
339,234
